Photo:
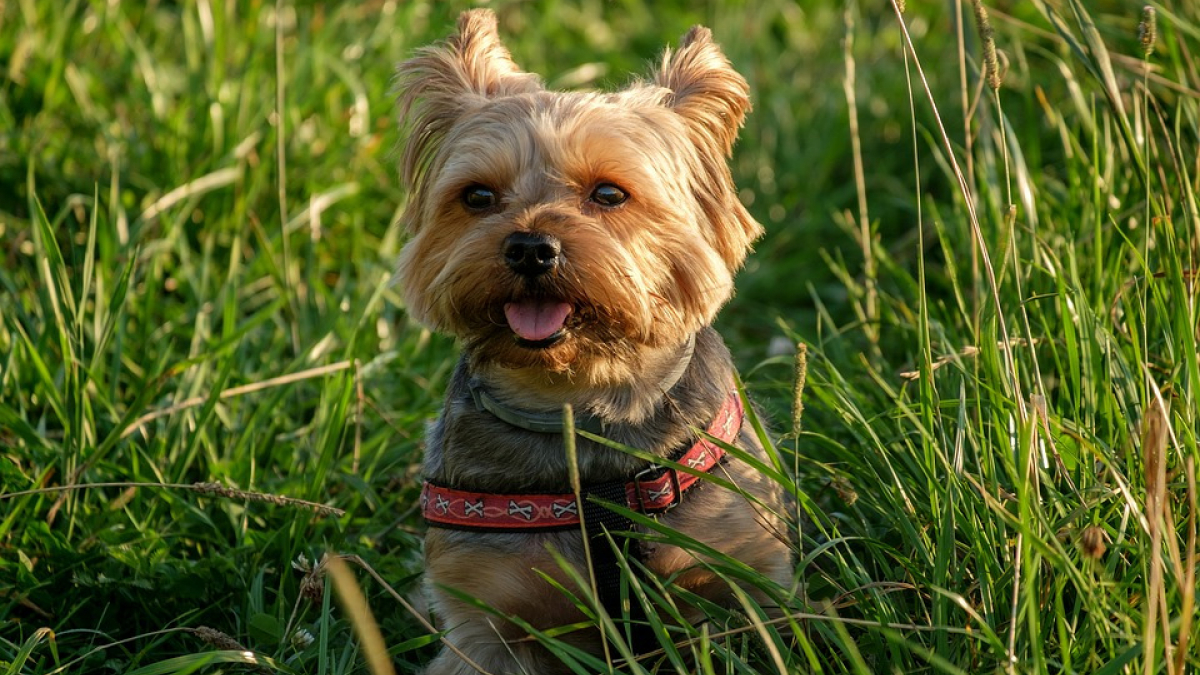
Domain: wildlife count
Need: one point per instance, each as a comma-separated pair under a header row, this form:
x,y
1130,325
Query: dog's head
x,y
552,228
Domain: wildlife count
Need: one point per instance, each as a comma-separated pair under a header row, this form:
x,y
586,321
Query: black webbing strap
x,y
598,520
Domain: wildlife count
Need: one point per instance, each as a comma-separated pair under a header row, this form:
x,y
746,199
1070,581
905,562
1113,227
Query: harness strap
x,y
653,490
605,564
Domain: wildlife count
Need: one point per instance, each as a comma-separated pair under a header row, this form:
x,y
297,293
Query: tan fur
x,y
643,279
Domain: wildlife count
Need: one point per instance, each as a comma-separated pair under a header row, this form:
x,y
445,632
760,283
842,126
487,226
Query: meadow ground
x,y
995,459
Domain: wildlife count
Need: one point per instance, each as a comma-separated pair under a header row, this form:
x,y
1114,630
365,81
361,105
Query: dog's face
x,y
552,229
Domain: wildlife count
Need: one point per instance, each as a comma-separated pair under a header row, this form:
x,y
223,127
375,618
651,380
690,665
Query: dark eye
x,y
607,194
478,197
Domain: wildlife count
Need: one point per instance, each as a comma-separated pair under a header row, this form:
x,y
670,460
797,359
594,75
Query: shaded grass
x,y
148,312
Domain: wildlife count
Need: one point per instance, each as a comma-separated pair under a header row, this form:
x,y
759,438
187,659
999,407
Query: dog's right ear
x,y
705,90
444,80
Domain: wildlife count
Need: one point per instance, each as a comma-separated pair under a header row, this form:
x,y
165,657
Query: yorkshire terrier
x,y
579,245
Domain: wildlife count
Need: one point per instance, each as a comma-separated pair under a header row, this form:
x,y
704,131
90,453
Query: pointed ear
x,y
707,91
713,99
444,80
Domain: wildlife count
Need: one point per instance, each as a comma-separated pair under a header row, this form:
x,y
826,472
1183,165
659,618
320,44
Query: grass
x,y
995,464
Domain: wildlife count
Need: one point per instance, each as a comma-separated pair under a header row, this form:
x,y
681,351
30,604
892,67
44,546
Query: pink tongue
x,y
535,320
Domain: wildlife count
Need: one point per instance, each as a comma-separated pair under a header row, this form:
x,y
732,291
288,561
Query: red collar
x,y
653,490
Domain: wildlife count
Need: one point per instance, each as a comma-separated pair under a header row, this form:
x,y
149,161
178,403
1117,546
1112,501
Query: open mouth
x,y
537,323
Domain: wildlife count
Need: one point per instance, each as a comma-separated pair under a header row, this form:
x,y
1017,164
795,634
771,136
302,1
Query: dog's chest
x,y
473,450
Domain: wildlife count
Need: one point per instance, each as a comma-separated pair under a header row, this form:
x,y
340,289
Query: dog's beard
x,y
589,332
590,307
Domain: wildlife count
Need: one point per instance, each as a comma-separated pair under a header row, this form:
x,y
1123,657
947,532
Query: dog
x,y
579,245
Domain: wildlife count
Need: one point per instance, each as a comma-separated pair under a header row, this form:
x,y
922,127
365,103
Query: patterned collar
x,y
653,490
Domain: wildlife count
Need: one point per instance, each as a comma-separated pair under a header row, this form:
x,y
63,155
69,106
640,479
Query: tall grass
x,y
993,451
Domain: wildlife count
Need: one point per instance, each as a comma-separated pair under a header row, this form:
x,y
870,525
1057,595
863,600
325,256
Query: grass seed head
x,y
801,376
845,491
1092,542
217,639
1148,29
1155,432
987,37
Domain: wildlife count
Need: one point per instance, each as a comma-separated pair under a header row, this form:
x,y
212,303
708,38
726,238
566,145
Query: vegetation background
x,y
995,289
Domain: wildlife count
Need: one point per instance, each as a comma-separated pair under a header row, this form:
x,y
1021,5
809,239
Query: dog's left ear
x,y
713,99
712,96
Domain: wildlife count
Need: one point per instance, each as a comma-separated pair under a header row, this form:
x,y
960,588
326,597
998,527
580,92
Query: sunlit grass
x,y
994,466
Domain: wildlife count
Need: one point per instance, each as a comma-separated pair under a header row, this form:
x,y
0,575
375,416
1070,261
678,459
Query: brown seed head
x,y
312,585
987,37
1148,29
217,639
844,490
798,386
1092,541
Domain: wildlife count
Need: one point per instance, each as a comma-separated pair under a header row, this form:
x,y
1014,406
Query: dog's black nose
x,y
531,254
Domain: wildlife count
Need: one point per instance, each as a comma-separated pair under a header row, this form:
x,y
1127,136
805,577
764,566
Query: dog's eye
x,y
607,194
477,197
